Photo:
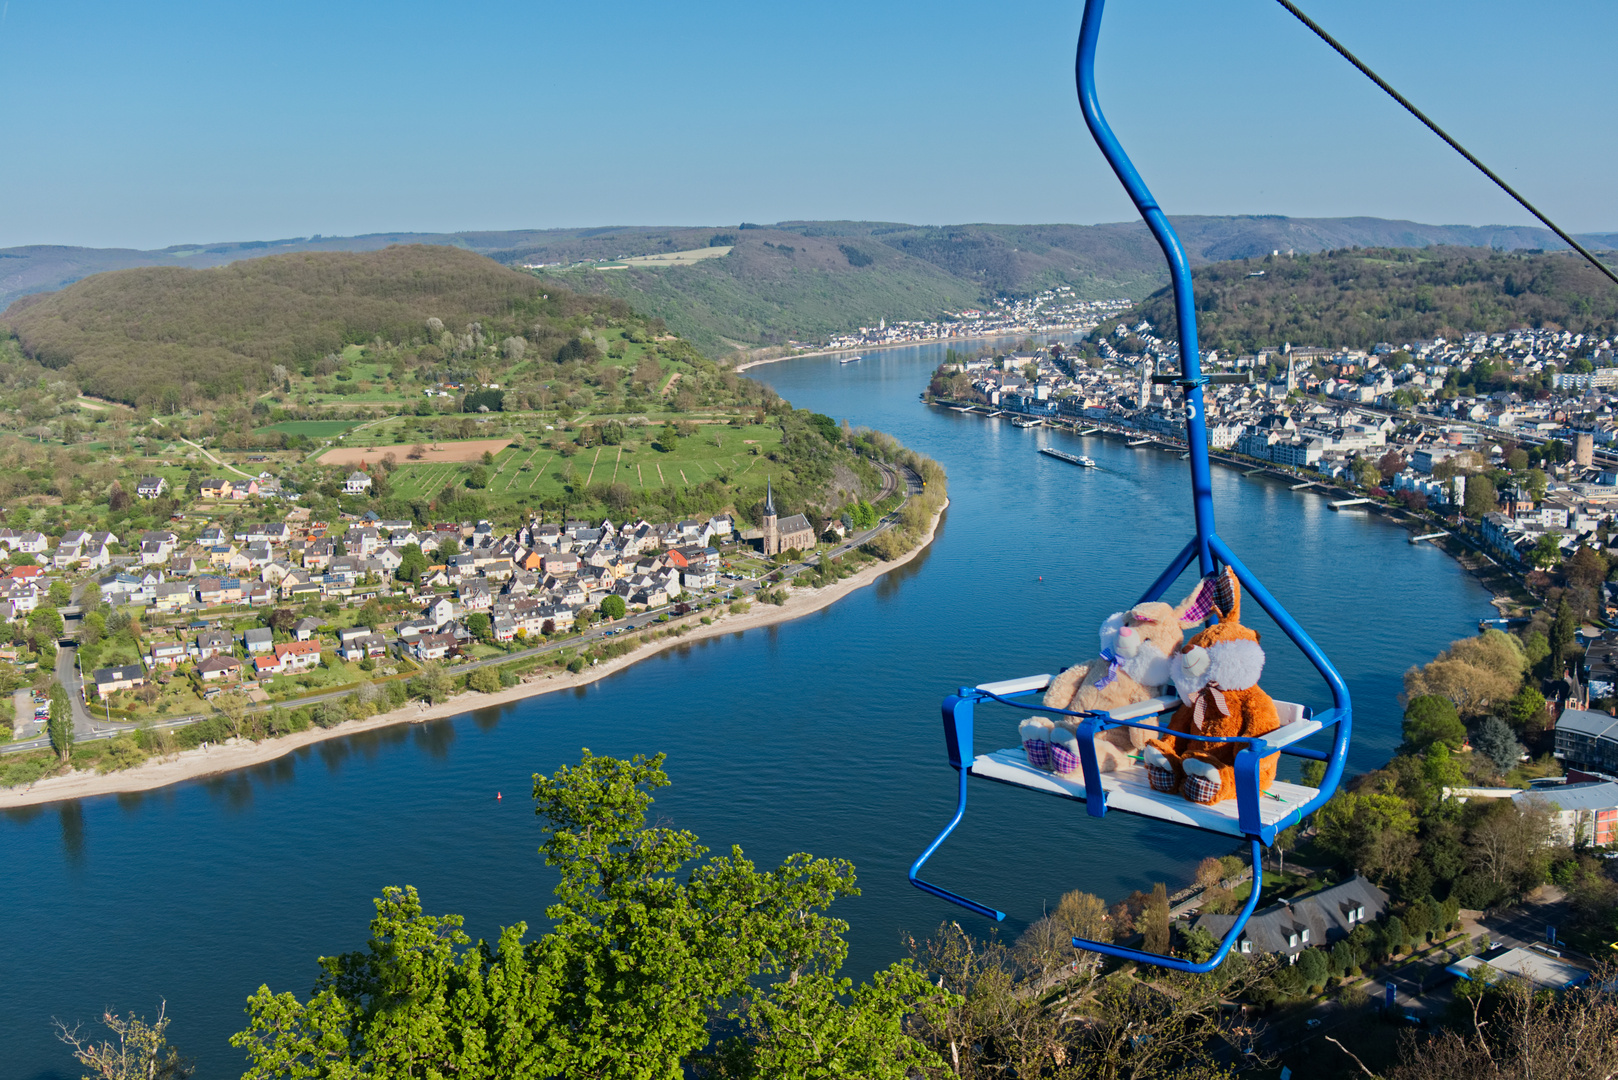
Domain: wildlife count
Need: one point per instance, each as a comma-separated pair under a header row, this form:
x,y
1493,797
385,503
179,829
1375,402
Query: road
x,y
222,464
88,728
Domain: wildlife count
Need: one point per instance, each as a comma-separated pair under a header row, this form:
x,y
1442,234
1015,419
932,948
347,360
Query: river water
x,y
818,735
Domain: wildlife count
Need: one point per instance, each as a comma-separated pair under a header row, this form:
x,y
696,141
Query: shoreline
x,y
1487,573
240,754
863,349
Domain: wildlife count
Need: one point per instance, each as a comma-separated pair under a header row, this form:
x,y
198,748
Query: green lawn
x,y
535,471
314,429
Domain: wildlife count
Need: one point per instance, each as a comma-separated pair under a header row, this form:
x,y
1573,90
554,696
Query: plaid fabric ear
x,y
1201,603
1228,594
1217,594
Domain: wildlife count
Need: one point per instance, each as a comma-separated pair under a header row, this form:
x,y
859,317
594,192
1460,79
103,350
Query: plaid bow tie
x,y
1112,668
1208,695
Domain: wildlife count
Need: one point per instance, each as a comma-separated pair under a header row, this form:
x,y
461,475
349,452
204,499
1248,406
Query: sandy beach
x,y
238,754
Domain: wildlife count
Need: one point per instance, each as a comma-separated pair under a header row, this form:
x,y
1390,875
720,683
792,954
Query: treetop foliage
x,y
165,336
1357,297
654,946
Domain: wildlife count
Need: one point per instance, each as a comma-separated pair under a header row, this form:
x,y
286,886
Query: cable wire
x,y
1321,33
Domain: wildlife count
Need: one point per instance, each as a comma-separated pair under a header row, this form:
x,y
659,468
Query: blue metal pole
x,y
1179,271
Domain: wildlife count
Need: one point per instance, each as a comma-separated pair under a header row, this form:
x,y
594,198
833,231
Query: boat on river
x,y
1072,459
1027,423
851,359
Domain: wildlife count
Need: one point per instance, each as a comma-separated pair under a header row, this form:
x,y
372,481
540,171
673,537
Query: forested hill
x,y
804,279
1357,297
166,336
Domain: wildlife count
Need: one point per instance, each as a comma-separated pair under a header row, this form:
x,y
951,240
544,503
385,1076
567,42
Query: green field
x,y
533,470
314,429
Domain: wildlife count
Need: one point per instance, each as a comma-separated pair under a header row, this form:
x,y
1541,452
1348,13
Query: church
x,y
794,532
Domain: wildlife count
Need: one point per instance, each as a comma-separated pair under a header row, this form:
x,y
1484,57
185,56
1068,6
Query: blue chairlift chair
x,y
1254,815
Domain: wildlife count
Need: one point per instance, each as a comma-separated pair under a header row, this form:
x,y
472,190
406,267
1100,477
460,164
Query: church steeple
x,y
772,535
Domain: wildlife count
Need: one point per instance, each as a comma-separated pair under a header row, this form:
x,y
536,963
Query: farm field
x,y
678,258
533,471
313,429
436,453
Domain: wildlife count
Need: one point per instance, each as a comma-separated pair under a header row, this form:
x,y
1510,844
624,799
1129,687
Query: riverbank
x,y
241,754
1511,597
1076,328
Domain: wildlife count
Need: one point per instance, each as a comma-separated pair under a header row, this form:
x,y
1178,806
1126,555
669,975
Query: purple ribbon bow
x,y
1112,668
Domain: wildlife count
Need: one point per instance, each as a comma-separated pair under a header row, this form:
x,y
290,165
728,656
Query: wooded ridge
x,y
1357,297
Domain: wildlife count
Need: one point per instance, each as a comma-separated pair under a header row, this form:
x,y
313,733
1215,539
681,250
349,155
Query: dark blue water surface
x,y
818,735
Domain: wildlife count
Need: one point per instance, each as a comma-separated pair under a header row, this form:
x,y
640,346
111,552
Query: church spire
x,y
769,499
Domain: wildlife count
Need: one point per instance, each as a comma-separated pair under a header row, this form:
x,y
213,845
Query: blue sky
x,y
151,124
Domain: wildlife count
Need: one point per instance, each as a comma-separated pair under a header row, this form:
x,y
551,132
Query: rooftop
x,y
1536,967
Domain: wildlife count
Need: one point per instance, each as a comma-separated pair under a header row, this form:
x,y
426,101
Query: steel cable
x,y
1342,50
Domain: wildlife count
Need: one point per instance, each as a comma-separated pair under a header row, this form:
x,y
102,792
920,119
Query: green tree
x,y
1481,497
45,622
433,684
478,477
1342,958
1154,920
480,626
1495,740
1536,649
1430,719
412,563
668,439
1372,831
1526,711
60,725
652,943
371,614
1313,968
61,593
612,607
1563,629
1393,935
1366,474
1546,552
485,680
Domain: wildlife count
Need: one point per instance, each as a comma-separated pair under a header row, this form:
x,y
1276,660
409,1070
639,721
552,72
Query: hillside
x,y
166,336
793,280
1358,297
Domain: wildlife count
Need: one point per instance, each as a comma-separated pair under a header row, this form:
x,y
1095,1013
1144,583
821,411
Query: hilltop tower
x,y
772,532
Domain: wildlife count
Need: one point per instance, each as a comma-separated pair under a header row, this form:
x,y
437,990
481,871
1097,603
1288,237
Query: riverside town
x,y
1142,638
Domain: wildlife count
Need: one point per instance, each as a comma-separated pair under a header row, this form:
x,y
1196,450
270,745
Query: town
x,y
1048,312
1513,429
278,611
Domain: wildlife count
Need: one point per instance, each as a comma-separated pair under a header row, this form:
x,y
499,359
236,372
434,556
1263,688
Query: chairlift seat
x,y
1129,790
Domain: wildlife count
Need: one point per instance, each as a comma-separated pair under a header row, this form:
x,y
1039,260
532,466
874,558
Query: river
x,y
819,735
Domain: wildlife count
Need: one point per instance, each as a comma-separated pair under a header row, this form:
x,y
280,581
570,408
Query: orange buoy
x,y
497,796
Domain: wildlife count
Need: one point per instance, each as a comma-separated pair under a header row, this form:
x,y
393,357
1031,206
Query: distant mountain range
x,y
804,279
